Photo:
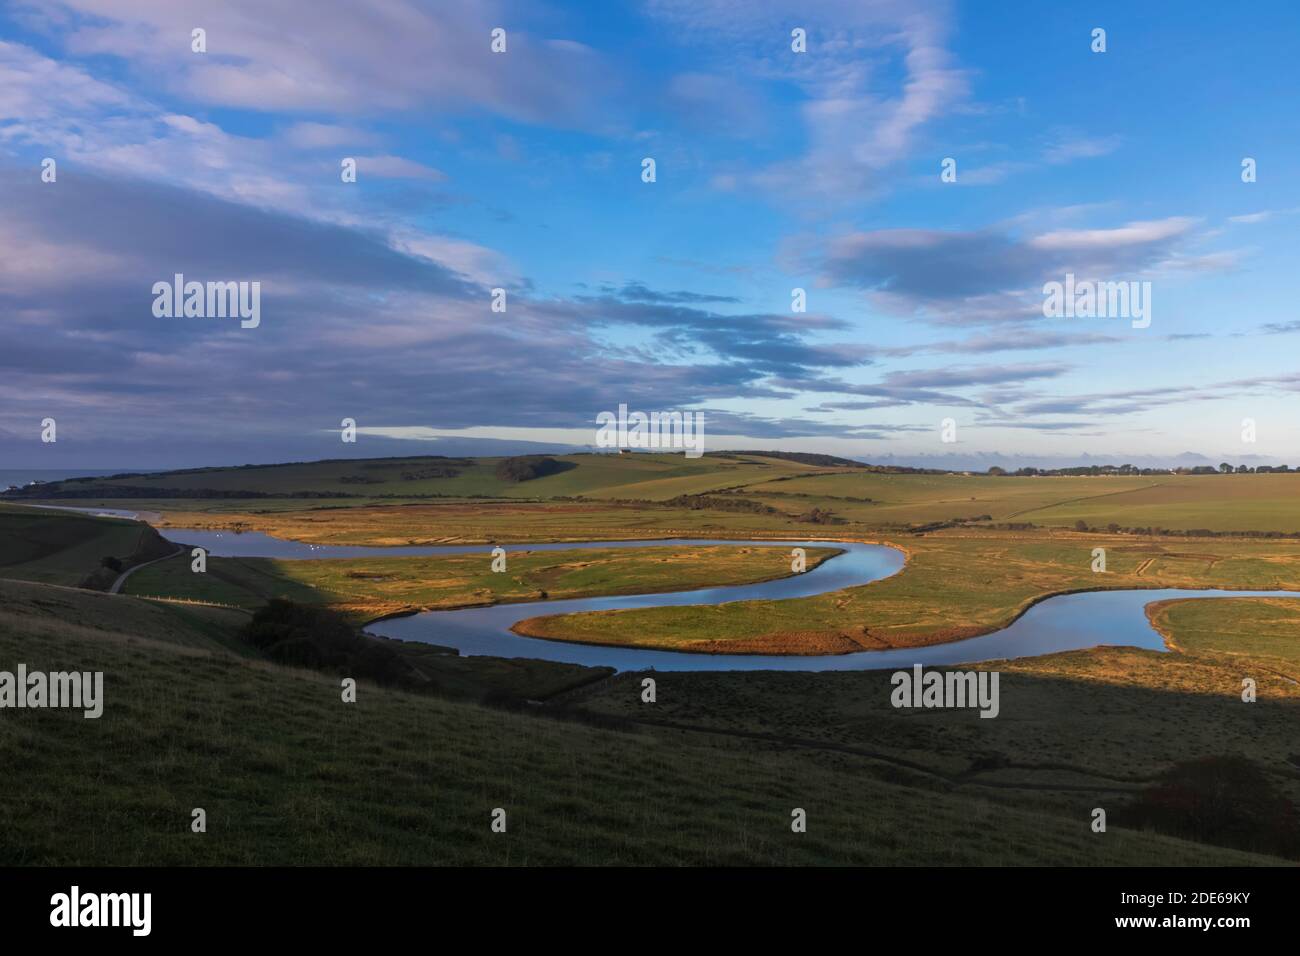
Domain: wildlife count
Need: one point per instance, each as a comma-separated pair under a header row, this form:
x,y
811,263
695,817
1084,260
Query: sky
x,y
923,339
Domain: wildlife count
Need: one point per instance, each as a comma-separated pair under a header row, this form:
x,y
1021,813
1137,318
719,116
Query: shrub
x,y
1226,801
322,639
528,467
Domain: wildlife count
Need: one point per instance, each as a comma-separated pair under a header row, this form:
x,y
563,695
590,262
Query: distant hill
x,y
643,476
803,458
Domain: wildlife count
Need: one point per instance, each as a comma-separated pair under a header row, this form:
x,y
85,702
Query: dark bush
x,y
1226,801
322,639
528,467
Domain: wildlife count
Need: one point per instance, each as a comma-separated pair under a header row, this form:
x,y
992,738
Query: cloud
x,y
1264,215
59,109
1065,146
638,292
336,56
355,323
766,343
1134,235
1129,401
311,135
175,230
876,73
1062,146
715,104
978,375
395,167
990,275
1023,339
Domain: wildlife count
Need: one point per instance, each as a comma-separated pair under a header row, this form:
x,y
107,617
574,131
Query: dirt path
x,y
1070,501
121,578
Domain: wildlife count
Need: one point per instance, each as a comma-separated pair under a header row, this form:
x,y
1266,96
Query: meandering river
x,y
1062,623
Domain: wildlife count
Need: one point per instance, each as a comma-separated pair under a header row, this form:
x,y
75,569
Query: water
x,y
859,564
150,516
1062,623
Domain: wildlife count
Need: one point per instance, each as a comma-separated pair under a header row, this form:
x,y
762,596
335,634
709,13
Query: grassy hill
x,y
586,490
650,476
65,548
288,774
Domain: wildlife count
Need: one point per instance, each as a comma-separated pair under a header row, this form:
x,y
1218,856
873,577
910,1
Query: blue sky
x,y
775,170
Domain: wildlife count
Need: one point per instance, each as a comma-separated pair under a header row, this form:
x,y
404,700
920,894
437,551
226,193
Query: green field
x,y
472,503
1263,628
648,476
64,548
367,588
1245,502
288,774
1083,726
956,584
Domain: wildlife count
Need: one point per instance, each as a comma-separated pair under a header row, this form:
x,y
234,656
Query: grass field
x,y
1265,502
476,522
473,503
1066,719
648,476
1258,627
290,775
368,588
956,584
63,548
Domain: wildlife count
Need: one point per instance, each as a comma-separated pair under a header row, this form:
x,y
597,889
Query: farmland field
x,y
587,494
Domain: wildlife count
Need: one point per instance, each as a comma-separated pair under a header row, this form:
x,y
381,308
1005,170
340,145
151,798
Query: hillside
x,y
60,547
651,476
740,491
288,774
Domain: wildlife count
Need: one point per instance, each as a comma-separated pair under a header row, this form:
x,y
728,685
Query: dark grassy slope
x,y
63,548
289,774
